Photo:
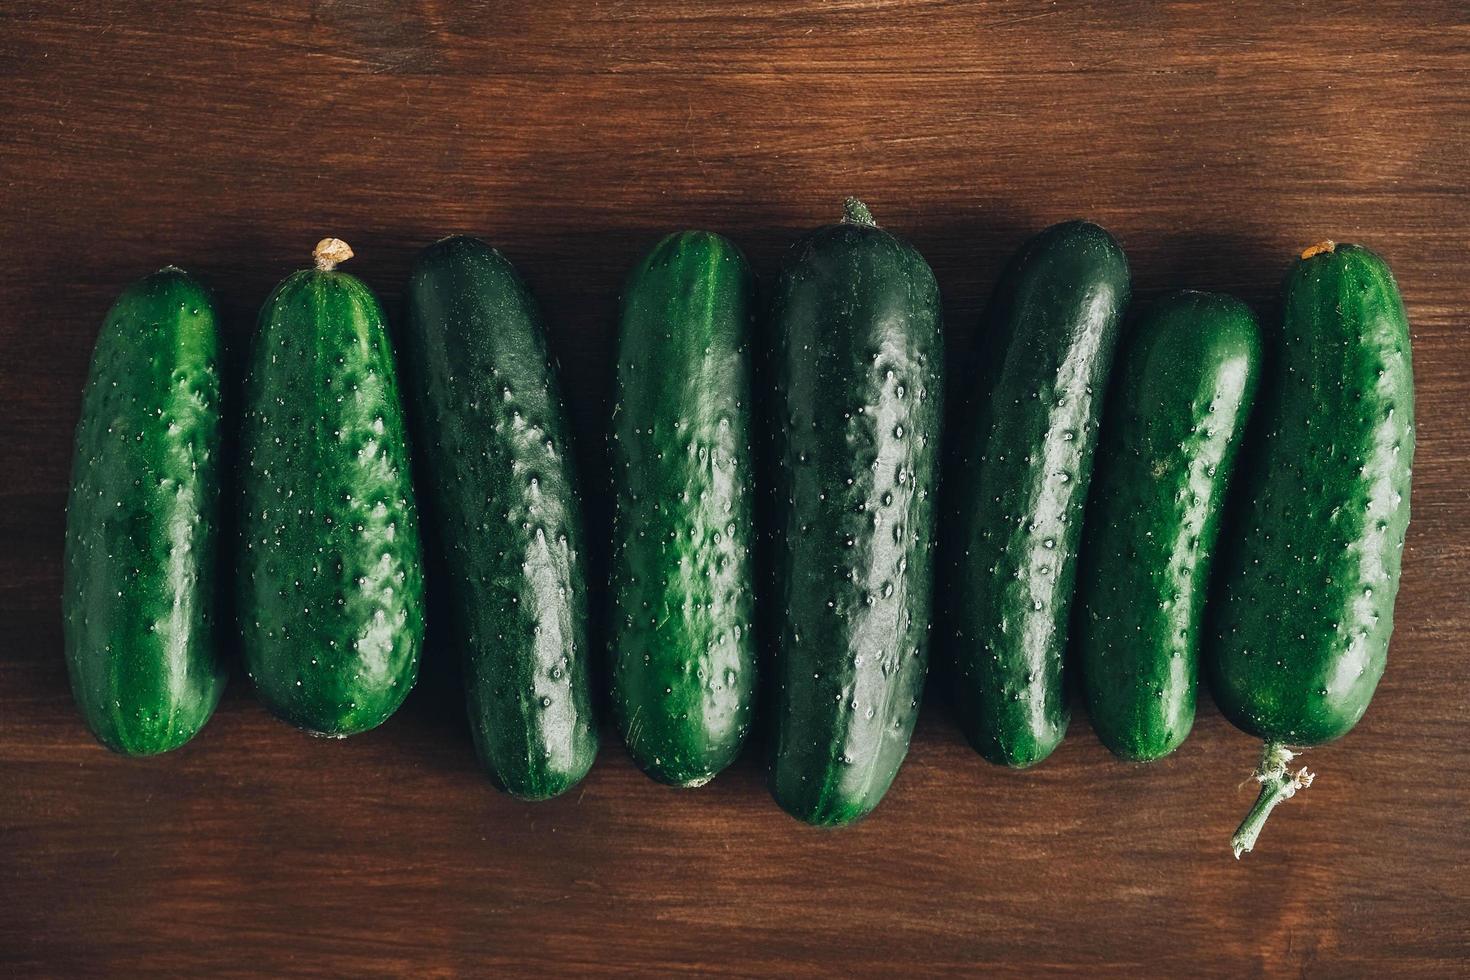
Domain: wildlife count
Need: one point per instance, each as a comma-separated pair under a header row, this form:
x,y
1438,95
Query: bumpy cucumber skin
x,y
1019,485
330,570
683,584
1305,592
1182,391
859,374
138,597
502,495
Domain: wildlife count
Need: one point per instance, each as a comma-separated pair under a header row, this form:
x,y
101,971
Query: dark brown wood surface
x,y
1213,139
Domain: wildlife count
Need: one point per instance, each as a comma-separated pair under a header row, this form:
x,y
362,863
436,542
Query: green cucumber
x,y
1182,390
1019,486
859,374
683,584
138,598
330,584
1305,592
504,509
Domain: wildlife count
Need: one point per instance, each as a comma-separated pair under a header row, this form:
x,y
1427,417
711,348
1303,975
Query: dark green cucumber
x,y
683,585
331,585
502,495
1305,592
1177,406
138,598
1020,483
859,373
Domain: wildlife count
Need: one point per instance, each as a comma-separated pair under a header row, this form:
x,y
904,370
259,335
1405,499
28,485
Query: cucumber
x,y
1306,588
138,599
330,583
1182,390
859,372
683,585
502,498
1019,485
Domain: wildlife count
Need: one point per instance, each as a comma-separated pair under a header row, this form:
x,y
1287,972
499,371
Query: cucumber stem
x,y
329,252
1319,248
1277,784
855,212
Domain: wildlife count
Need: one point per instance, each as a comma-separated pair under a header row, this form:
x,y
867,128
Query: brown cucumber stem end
x,y
1319,248
329,252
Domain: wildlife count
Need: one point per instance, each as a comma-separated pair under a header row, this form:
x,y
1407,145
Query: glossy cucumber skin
x,y
1183,386
683,584
330,571
138,598
858,368
1019,484
501,491
1306,588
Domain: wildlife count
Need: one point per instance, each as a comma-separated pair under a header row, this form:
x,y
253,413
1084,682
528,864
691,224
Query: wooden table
x,y
1214,140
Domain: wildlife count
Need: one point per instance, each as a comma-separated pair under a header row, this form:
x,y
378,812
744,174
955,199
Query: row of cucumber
x,y
805,441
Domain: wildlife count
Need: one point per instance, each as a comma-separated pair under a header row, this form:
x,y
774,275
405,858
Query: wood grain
x,y
1214,140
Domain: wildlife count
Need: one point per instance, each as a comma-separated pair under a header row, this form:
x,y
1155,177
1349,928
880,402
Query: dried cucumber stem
x,y
329,252
1319,248
1277,784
